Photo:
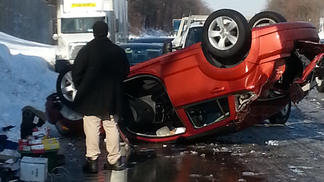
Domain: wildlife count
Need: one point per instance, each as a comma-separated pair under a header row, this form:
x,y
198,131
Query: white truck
x,y
188,31
74,22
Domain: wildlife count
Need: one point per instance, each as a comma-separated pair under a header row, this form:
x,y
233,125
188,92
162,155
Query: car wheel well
x,y
150,107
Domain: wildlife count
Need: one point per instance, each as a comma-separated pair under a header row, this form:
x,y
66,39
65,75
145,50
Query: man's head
x,y
100,29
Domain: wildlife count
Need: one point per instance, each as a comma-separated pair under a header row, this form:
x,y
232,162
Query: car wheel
x,y
61,65
65,88
226,37
320,85
266,18
282,116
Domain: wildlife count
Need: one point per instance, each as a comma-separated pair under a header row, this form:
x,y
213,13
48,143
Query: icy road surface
x,y
291,152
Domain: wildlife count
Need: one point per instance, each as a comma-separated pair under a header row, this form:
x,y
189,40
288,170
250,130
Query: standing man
x,y
97,73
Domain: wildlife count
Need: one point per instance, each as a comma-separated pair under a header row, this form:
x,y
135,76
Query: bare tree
x,y
298,10
158,14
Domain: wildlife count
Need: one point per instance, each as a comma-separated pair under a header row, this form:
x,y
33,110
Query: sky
x,y
247,7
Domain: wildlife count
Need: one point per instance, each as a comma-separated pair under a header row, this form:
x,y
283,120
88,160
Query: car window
x,y
79,25
194,36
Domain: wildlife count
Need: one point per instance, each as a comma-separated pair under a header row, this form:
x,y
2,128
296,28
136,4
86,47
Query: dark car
x,y
140,52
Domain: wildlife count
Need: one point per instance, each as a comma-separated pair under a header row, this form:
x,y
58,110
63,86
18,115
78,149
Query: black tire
x,y
226,37
60,83
266,18
282,116
62,65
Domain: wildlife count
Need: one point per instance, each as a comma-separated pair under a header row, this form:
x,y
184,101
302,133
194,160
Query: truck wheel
x,y
282,116
226,37
65,88
266,18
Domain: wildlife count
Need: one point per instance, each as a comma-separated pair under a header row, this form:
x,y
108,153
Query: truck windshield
x,y
79,25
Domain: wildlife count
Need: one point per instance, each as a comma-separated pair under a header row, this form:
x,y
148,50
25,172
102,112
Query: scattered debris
x,y
249,173
321,133
272,142
296,170
241,180
184,153
195,175
7,128
308,121
224,149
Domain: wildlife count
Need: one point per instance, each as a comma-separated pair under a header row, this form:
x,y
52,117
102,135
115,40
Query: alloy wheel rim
x,y
67,87
264,22
223,33
284,111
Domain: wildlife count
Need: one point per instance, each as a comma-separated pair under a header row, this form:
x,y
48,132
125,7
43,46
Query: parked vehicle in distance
x,y
234,78
150,39
140,52
184,27
194,34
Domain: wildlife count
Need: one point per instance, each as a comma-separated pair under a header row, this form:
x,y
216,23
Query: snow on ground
x,y
25,79
20,46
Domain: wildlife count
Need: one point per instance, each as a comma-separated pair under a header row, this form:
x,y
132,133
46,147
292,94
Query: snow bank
x,y
47,52
24,80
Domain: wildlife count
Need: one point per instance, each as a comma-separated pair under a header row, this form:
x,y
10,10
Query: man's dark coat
x,y
97,73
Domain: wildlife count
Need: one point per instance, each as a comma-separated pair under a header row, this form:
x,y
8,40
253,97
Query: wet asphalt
x,y
264,152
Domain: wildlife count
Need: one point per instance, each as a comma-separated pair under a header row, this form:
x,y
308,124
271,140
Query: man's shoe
x,y
118,166
91,166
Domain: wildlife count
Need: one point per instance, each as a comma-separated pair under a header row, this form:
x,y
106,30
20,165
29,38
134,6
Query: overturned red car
x,y
241,73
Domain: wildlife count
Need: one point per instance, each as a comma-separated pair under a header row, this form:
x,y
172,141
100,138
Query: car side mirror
x,y
55,36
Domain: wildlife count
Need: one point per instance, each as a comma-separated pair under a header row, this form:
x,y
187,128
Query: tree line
x,y
158,14
299,10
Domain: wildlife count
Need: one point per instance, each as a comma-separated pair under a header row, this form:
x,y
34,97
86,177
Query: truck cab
x,y
188,31
74,22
